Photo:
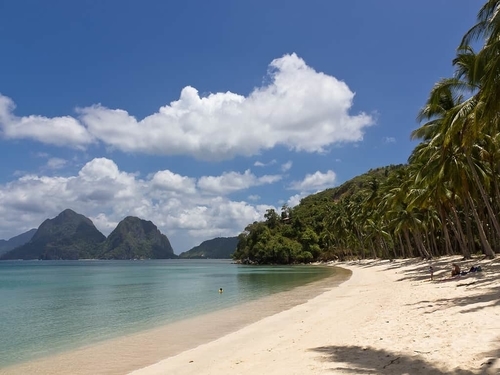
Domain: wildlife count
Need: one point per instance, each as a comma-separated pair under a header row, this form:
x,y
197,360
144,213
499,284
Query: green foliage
x,y
216,248
303,234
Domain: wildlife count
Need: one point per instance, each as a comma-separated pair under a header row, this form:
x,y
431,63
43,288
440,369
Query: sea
x,y
49,307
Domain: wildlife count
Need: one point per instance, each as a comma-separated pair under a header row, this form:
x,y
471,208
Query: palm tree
x,y
487,28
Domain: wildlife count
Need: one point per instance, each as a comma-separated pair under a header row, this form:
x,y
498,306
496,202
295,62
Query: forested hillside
x,y
308,232
216,248
446,200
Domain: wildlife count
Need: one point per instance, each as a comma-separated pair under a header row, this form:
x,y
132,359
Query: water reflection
x,y
264,280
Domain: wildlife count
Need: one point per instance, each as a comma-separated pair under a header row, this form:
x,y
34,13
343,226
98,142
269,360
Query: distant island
x,y
12,243
71,236
216,248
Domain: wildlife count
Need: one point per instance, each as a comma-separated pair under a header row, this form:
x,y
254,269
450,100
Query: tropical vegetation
x,y
445,200
216,248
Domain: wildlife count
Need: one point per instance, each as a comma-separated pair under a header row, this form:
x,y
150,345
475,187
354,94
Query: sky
x,y
201,115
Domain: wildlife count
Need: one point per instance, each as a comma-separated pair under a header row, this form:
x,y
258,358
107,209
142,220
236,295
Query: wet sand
x,y
388,318
125,354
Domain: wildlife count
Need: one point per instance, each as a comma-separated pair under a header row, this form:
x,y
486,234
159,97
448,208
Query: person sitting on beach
x,y
475,269
456,270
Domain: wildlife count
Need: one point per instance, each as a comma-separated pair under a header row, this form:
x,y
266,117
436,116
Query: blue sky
x,y
201,115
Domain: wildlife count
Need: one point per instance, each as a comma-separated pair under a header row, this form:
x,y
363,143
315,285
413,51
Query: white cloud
x,y
294,200
316,181
389,140
56,163
233,181
60,131
300,108
104,193
286,167
169,181
261,164
254,197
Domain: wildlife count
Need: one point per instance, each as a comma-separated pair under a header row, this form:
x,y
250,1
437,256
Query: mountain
x,y
217,248
67,236
134,238
7,245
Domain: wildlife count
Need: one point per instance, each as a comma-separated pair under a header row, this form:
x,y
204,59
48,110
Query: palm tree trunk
x,y
445,230
434,245
460,234
403,252
420,244
486,245
408,242
483,195
468,226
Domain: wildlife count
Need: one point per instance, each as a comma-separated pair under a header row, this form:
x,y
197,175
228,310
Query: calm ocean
x,y
52,306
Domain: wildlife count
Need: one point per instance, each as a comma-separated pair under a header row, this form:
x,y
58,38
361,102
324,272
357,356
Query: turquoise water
x,y
52,306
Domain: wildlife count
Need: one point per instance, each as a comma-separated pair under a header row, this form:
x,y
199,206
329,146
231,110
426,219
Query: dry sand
x,y
127,353
388,318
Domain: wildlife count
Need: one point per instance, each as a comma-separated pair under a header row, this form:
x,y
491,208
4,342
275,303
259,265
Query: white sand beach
x,y
388,318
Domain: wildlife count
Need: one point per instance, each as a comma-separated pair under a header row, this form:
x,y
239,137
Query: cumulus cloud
x,y
169,181
59,131
315,181
106,194
299,108
389,140
231,182
294,200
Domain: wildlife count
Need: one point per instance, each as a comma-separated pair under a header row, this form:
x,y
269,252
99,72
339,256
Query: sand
x,y
127,353
388,318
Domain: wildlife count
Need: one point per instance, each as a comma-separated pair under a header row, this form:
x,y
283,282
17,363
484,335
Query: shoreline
x,y
389,318
128,353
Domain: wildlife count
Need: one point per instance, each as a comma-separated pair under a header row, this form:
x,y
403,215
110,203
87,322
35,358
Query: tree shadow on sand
x,y
484,282
365,360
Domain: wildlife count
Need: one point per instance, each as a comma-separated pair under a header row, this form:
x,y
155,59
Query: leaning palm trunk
x,y
435,249
482,235
403,253
483,195
429,244
384,246
457,228
471,243
445,230
408,242
420,245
